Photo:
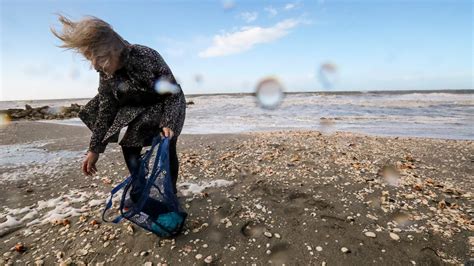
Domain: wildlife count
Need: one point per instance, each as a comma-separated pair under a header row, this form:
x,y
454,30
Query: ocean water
x,y
446,114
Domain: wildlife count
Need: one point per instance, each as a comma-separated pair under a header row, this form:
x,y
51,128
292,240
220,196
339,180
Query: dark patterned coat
x,y
128,99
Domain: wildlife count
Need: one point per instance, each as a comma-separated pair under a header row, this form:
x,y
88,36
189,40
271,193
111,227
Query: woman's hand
x,y
167,132
88,165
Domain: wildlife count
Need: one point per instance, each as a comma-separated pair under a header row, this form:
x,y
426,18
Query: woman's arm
x,y
171,101
171,110
148,68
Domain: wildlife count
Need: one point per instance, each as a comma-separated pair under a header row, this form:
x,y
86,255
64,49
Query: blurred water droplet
x,y
54,110
328,75
198,78
216,236
228,4
390,176
403,220
326,125
281,254
4,119
252,229
164,86
374,202
269,93
74,74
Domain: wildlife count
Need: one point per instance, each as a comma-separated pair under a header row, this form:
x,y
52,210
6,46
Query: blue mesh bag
x,y
148,199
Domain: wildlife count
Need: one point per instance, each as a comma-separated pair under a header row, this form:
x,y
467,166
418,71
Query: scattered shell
x,y
319,248
267,234
130,229
187,248
59,255
277,235
61,222
148,263
370,234
66,262
394,236
198,256
418,187
208,259
81,252
345,250
442,204
19,247
39,262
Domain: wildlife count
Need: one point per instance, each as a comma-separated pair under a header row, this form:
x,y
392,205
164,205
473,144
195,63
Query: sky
x,y
229,46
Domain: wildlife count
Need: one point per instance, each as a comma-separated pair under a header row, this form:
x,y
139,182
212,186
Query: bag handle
x,y
157,168
109,203
126,182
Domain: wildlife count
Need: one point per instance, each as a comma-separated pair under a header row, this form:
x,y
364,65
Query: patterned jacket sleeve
x,y
171,101
153,68
171,106
108,107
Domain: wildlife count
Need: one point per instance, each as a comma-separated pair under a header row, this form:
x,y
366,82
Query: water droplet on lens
x,y
228,4
4,119
403,219
198,78
164,86
74,73
328,75
269,93
391,176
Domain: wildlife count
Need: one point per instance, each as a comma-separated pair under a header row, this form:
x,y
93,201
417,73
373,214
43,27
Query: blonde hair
x,y
91,37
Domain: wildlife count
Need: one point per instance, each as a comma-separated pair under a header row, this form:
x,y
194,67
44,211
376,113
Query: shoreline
x,y
444,116
359,133
355,92
294,198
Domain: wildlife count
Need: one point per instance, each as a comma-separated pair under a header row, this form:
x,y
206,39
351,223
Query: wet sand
x,y
296,198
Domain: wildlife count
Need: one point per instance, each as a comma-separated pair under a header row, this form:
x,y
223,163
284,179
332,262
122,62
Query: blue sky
x,y
372,45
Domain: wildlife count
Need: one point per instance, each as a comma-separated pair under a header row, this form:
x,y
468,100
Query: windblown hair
x,y
90,36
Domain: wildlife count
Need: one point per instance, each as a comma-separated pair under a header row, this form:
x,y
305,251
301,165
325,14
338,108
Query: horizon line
x,y
456,91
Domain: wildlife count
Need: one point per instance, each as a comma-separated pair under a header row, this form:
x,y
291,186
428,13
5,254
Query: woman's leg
x,y
174,163
132,159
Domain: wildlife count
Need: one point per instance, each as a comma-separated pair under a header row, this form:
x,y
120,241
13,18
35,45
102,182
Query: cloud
x,y
246,38
290,6
248,16
171,47
293,5
271,11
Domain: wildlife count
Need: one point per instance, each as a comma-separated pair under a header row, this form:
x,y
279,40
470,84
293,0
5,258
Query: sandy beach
x,y
293,198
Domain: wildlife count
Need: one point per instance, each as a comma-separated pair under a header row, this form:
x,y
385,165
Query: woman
x,y
129,74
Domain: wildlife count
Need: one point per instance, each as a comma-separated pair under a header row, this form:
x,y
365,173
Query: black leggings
x,y
132,156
